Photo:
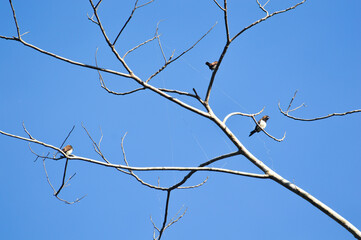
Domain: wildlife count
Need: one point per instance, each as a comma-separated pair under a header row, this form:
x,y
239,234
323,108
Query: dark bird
x,y
68,149
262,124
212,65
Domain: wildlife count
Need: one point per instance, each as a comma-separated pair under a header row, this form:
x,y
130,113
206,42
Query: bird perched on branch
x,y
262,123
212,65
68,149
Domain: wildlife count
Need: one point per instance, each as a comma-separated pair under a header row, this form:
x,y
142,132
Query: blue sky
x,y
314,49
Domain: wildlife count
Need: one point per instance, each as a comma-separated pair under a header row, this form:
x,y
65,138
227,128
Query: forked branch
x,y
286,113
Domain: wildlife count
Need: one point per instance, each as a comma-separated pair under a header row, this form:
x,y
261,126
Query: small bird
x,y
212,65
262,124
68,149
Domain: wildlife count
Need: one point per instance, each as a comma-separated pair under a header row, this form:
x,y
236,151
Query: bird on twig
x,y
212,65
68,149
262,123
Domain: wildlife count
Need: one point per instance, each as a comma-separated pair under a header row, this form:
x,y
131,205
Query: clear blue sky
x,y
315,49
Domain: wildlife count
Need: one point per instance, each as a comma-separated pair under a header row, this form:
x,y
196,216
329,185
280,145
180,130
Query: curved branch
x,y
285,113
242,114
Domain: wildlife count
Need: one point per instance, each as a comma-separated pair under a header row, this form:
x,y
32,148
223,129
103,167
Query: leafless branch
x,y
139,45
154,226
286,113
65,201
159,43
219,5
178,92
130,17
63,181
170,60
165,215
226,21
172,221
27,131
265,18
66,59
133,174
194,186
15,20
72,129
233,38
124,167
111,46
263,7
242,114
102,83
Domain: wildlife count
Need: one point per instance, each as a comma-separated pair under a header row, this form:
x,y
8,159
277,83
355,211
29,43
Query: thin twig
x,y
111,46
159,43
265,18
27,131
130,17
139,45
180,55
262,7
15,20
219,5
48,180
226,21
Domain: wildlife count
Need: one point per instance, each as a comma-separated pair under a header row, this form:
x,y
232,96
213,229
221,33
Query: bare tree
x,y
193,102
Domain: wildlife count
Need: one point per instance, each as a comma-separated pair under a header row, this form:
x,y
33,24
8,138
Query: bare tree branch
x,y
180,55
15,20
111,46
64,175
130,17
124,167
226,21
219,5
286,113
28,132
159,43
139,45
165,215
65,201
66,59
262,7
265,18
233,38
242,114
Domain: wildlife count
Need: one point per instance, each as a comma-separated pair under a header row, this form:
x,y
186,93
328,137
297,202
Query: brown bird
x,y
68,149
262,124
212,65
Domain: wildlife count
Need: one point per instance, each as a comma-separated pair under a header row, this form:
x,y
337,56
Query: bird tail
x,y
251,133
